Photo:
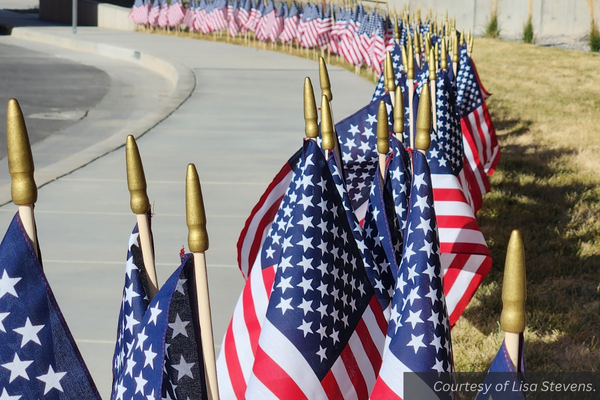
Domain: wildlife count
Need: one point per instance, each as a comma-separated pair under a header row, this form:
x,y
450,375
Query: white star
x,y
414,318
436,342
439,366
121,389
350,143
434,318
322,331
130,294
430,271
179,287
368,132
130,266
432,295
140,382
29,333
285,263
130,363
306,284
305,243
334,336
306,222
408,252
413,295
305,327
306,201
141,338
421,202
427,248
321,353
371,119
412,273
416,342
130,322
7,285
154,312
6,396
353,129
322,309
2,318
17,368
285,284
285,304
149,357
52,380
419,180
151,396
400,283
183,368
306,306
179,327
425,225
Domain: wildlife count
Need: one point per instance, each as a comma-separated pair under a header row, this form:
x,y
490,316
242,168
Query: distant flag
x,y
154,13
275,31
139,12
290,25
232,10
163,14
418,336
398,181
365,37
502,371
324,26
399,74
190,15
38,356
465,256
201,23
377,48
348,47
243,14
175,15
323,330
157,353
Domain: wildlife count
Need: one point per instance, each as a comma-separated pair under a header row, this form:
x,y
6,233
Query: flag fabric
x,y
502,371
378,45
157,351
190,16
154,13
465,257
232,10
201,23
398,181
364,37
163,14
38,356
277,28
307,27
418,336
324,26
243,14
399,74
321,337
290,25
139,12
175,14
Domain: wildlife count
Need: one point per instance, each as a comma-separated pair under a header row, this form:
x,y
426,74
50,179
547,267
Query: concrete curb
x,y
179,75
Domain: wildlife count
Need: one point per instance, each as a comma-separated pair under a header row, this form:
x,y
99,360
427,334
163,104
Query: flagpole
x,y
514,294
326,91
432,88
410,76
21,168
423,136
140,206
198,244
383,137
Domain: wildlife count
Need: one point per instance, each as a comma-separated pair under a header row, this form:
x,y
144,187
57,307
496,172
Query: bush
x,y
594,37
528,31
491,27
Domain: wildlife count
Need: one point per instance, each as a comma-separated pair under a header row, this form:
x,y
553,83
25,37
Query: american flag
x,y
190,15
200,23
277,28
323,330
255,15
364,37
216,15
501,371
418,336
357,135
338,29
243,14
377,48
38,356
232,10
267,17
163,15
399,74
139,12
479,135
307,27
348,47
324,25
176,14
398,181
290,25
465,256
156,352
154,13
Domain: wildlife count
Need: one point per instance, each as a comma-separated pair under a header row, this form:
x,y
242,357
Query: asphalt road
x,y
54,93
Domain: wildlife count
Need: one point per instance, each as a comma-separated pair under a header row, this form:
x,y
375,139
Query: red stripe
x,y
463,248
275,378
354,373
234,369
331,387
268,279
382,391
370,348
453,270
457,222
470,291
493,138
448,195
265,222
250,319
378,312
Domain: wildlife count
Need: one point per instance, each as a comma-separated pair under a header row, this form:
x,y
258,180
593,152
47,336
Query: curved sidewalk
x,y
241,122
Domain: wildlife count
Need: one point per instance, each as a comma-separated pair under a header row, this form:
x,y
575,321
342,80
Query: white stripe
x,y
362,360
338,369
453,209
256,390
473,165
486,133
488,164
225,389
476,138
286,355
464,184
392,372
377,335
461,235
462,281
444,181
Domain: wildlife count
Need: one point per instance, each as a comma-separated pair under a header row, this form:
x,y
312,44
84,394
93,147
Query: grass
x,y
594,36
545,108
528,36
492,30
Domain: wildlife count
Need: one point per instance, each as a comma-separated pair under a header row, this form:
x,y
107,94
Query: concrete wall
x,y
114,17
550,18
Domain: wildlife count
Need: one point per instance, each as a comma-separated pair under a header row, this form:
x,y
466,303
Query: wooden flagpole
x,y
20,166
383,137
432,87
410,81
140,205
423,135
514,294
198,244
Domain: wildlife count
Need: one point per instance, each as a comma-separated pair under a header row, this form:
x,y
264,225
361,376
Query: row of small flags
x,y
358,260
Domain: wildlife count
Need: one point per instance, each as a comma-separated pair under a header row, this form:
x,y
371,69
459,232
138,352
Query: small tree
x,y
528,36
594,36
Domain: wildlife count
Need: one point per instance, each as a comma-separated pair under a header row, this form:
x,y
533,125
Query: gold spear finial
x,y
404,58
423,138
396,29
194,211
20,160
470,44
432,66
455,49
311,126
410,58
444,56
326,125
427,43
383,134
136,180
514,287
324,79
390,76
399,114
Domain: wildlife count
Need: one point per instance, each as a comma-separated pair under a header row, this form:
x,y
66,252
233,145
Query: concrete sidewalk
x,y
235,112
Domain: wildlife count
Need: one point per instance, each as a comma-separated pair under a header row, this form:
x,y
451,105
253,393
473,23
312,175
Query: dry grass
x,y
546,109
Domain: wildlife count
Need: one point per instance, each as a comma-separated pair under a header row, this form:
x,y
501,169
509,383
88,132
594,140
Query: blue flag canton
x,y
133,304
272,246
357,136
502,371
419,327
469,96
400,75
38,356
320,289
398,180
445,154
